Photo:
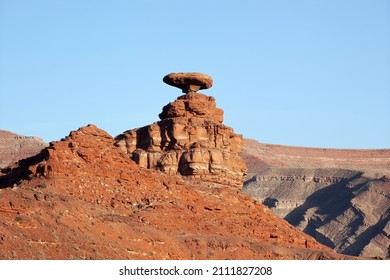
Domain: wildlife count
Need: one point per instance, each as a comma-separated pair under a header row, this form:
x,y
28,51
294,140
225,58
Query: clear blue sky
x,y
304,73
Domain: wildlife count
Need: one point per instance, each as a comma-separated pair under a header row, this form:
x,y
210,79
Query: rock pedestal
x,y
190,138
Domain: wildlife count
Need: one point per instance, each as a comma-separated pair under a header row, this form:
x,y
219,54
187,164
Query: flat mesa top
x,y
189,81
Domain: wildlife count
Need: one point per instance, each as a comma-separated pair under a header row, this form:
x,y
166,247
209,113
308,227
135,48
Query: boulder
x,y
189,81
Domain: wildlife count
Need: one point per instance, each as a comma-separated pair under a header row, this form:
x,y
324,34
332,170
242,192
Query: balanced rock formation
x,y
189,82
190,139
14,147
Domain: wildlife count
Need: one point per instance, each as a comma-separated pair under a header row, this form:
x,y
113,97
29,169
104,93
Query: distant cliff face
x,y
340,197
14,147
190,140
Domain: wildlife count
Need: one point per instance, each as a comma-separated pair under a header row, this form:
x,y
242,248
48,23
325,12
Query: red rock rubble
x,y
83,198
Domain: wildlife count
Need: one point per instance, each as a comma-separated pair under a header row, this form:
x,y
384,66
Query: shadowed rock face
x,y
14,147
190,140
340,197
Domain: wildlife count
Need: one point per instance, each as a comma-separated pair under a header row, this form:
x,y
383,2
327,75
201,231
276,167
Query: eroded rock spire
x,y
190,138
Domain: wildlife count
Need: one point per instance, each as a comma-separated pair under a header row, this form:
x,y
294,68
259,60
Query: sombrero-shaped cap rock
x,y
189,81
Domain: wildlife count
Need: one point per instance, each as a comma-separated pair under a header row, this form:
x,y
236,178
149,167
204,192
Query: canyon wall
x,y
345,209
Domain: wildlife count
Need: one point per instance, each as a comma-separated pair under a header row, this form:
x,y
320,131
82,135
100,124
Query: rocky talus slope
x,y
340,197
83,198
14,147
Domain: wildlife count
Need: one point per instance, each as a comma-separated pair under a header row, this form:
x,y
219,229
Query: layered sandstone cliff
x,y
190,139
14,147
340,197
